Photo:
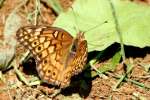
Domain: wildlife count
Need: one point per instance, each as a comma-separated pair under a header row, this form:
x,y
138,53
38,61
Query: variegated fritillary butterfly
x,y
58,55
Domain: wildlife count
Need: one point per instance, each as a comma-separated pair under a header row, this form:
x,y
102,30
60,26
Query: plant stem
x,y
118,29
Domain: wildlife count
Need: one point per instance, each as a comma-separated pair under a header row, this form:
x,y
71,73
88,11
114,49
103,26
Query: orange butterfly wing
x,y
57,54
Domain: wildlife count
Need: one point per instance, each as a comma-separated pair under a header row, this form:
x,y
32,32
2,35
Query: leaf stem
x,y
118,29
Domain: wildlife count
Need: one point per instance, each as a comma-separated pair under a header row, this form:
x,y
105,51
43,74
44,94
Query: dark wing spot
x,y
45,61
29,35
40,55
35,43
54,73
48,71
39,48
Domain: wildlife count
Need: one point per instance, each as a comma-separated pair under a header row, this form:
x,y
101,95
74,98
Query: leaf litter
x,y
95,87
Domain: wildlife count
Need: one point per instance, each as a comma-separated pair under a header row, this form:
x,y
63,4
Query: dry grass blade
x,y
56,6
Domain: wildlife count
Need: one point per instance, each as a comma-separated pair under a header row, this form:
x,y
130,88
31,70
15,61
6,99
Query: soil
x,y
94,88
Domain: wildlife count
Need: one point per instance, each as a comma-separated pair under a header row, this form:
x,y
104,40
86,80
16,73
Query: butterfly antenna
x,y
95,26
76,23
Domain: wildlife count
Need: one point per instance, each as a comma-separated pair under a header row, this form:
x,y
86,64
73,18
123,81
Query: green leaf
x,y
109,66
112,65
133,22
115,60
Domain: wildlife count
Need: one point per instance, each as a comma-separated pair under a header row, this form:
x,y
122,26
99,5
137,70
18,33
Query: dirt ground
x,y
95,88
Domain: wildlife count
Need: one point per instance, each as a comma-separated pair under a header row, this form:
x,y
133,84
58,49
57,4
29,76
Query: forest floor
x,y
96,88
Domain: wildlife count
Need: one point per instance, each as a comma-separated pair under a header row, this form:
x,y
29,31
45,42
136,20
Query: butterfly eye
x,y
74,48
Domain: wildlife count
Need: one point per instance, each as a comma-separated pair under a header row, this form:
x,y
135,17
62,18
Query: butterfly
x,y
58,55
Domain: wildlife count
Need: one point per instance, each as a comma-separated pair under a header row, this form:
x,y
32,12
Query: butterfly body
x,y
58,55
